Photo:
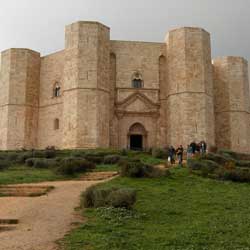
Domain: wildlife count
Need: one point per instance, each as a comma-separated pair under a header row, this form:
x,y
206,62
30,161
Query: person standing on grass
x,y
193,146
179,153
203,147
189,152
171,154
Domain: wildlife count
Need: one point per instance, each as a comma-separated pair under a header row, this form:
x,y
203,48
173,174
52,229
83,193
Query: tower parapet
x,y
190,112
232,103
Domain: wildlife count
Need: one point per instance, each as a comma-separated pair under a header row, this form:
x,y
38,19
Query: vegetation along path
x,y
42,220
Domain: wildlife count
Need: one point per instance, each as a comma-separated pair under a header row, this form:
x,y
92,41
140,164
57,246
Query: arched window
x,y
56,124
137,81
56,90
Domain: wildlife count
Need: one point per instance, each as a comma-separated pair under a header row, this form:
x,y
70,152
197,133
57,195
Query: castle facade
x,y
99,93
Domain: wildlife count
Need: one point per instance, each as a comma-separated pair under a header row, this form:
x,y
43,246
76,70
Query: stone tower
x,y
190,108
232,103
86,86
20,76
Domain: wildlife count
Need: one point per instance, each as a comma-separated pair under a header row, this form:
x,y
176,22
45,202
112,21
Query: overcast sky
x,y
39,24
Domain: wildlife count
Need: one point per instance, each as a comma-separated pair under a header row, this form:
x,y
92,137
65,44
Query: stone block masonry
x,y
124,94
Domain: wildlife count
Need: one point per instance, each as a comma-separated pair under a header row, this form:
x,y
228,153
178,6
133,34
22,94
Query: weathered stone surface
x,y
232,103
83,96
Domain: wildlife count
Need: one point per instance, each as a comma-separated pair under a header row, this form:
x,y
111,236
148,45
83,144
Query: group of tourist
x,y
192,149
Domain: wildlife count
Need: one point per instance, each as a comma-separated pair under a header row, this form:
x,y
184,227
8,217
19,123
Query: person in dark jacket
x,y
171,154
179,153
193,146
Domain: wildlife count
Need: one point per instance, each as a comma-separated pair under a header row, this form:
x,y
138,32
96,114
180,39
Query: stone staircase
x,y
98,176
24,191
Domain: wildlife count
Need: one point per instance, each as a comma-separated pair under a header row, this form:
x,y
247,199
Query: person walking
x,y
193,146
189,152
179,153
203,147
172,154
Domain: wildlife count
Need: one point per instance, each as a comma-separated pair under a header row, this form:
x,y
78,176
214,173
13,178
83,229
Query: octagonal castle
x,y
100,93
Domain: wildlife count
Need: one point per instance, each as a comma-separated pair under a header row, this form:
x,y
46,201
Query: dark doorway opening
x,y
136,142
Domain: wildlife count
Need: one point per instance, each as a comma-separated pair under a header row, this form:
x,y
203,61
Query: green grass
x,y
22,174
106,168
181,212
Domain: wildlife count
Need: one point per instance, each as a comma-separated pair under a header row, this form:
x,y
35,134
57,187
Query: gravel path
x,y
43,220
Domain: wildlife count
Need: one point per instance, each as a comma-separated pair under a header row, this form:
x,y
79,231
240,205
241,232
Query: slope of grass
x,y
181,212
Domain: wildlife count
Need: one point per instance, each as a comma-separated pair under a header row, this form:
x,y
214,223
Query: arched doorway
x,y
137,137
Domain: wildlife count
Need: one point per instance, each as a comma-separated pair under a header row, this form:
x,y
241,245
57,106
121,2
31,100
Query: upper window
x,y
137,81
56,90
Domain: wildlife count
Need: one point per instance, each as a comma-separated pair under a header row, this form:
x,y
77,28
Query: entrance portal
x,y
136,142
137,137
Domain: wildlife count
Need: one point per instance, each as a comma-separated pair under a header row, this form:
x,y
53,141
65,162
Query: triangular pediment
x,y
137,102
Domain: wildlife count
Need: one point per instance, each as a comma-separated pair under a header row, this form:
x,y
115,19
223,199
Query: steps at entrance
x,y
24,191
98,176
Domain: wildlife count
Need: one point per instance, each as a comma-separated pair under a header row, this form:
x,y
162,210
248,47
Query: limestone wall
x,y
20,73
141,57
190,113
232,103
86,86
50,107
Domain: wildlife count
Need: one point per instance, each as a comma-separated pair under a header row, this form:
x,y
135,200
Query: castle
x,y
100,93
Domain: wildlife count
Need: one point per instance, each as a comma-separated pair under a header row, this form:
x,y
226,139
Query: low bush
x,y
137,169
235,155
219,159
41,163
109,197
111,159
23,156
71,166
236,175
160,153
12,156
4,164
50,152
94,158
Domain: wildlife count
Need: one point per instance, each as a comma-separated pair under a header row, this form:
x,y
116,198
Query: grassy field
x,y
22,174
181,212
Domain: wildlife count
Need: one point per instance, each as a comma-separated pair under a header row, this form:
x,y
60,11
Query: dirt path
x,y
43,220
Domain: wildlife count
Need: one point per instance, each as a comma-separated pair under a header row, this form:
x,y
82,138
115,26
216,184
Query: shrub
x,y
245,164
94,158
12,156
70,166
4,164
111,159
78,153
195,164
219,159
40,163
122,198
109,197
137,169
160,153
23,156
50,152
236,175
235,155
